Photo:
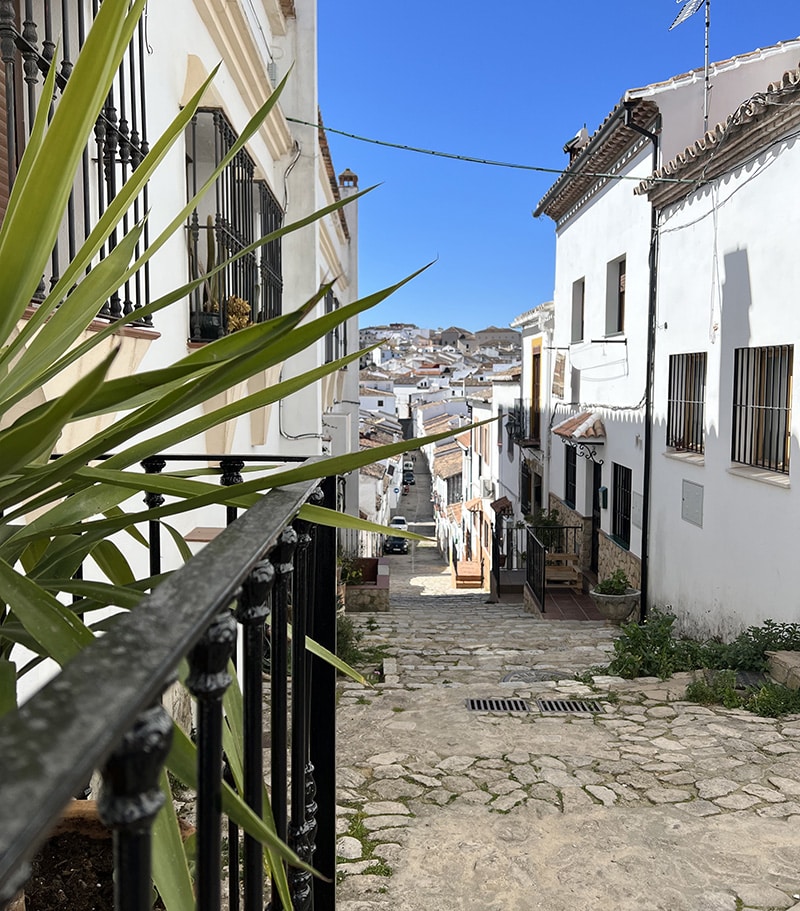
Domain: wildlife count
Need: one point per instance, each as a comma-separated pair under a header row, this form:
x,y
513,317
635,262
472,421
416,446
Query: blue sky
x,y
509,82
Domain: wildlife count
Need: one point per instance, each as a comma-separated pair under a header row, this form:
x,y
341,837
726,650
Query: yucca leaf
x,y
8,685
320,515
182,762
170,869
113,563
29,229
335,661
28,438
70,319
55,627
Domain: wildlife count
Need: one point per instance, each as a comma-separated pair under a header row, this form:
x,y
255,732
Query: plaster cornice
x,y
231,32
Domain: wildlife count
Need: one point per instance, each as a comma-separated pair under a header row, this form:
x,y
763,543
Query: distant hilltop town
x,y
414,362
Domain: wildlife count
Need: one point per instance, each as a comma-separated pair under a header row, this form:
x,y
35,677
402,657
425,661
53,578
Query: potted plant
x,y
615,597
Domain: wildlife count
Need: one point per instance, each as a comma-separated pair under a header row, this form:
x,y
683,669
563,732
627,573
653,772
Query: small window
x,y
621,516
615,296
686,402
380,403
570,475
762,389
578,306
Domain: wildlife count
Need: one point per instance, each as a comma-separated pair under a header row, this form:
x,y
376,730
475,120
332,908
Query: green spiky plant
x,y
80,503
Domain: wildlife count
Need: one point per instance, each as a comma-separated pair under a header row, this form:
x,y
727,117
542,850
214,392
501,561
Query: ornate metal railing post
x,y
231,474
303,827
282,558
129,801
322,705
207,681
154,465
252,612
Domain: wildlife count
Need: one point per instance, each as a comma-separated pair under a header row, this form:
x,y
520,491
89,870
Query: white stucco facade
x,y
723,533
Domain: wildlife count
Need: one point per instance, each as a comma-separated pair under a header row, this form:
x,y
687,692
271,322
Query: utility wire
x,y
486,161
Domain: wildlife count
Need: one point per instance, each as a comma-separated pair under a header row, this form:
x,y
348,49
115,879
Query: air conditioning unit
x,y
487,488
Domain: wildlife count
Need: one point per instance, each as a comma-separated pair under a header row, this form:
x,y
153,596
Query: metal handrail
x,y
51,745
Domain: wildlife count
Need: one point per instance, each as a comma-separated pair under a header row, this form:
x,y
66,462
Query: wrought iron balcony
x,y
524,423
28,35
264,564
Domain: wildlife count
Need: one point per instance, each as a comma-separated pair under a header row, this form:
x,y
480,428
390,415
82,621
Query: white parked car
x,y
399,522
408,465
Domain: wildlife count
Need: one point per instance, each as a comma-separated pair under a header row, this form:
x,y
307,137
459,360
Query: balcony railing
x,y
28,35
265,564
524,422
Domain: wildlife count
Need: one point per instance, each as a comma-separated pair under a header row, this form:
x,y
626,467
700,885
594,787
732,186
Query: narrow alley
x,y
643,802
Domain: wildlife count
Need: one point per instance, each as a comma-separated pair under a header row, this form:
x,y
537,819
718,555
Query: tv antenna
x,y
690,7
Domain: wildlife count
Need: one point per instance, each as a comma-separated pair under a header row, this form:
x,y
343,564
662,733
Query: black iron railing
x,y
525,422
535,567
264,564
28,35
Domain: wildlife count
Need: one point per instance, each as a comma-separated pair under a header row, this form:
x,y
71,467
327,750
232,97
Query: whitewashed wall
x,y
739,567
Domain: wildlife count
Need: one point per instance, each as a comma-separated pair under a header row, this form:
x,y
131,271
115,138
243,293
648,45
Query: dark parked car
x,y
408,477
395,545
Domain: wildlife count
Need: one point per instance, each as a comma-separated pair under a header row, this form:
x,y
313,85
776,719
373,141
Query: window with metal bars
x,y
28,35
686,400
336,339
525,488
762,391
621,515
223,224
570,474
269,302
615,296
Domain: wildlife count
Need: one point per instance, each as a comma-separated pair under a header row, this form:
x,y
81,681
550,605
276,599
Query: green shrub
x,y
615,584
651,649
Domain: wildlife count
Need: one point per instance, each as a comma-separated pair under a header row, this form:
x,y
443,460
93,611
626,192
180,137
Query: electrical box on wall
x,y
602,493
692,503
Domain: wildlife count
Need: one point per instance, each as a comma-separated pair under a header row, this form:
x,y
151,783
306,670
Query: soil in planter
x,y
73,873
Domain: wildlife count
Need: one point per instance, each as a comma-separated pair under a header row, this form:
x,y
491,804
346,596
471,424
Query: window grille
x,y
221,226
525,488
686,402
570,474
615,296
762,388
28,34
270,217
336,339
621,517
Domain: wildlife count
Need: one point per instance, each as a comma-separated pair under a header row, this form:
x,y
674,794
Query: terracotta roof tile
x,y
753,125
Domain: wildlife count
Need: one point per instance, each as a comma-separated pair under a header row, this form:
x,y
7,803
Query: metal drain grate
x,y
569,707
497,705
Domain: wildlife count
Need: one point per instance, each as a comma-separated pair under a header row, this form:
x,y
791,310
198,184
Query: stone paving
x,y
651,803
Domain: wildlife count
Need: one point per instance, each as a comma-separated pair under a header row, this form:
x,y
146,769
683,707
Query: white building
x,y
725,515
603,297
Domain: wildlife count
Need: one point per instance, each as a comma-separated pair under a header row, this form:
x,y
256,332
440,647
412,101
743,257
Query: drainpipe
x,y
651,351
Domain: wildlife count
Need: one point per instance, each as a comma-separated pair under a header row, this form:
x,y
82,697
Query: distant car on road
x,y
408,477
408,465
399,522
395,545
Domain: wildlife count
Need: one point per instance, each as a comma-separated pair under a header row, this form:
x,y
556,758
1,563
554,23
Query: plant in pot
x,y
615,598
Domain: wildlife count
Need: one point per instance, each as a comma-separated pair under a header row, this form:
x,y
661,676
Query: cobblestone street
x,y
650,803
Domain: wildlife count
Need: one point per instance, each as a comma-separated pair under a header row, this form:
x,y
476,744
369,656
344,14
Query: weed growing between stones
x,y
357,830
770,700
651,649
